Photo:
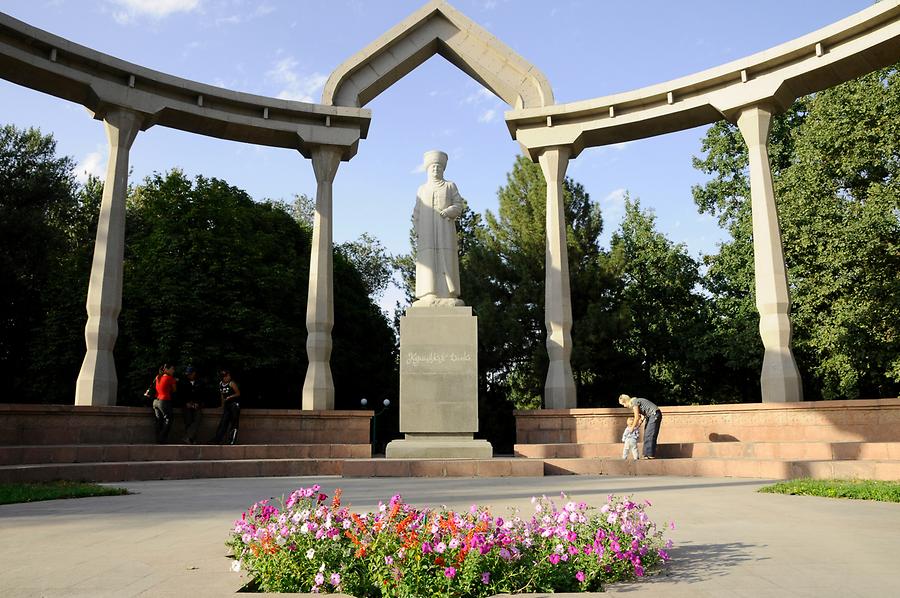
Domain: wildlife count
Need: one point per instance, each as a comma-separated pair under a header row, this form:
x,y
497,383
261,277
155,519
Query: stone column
x,y
97,382
559,389
780,380
318,388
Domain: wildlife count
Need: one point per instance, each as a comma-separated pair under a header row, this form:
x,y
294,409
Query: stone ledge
x,y
440,468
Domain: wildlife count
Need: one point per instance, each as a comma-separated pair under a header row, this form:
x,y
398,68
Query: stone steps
x,y
799,451
443,468
169,470
888,470
108,453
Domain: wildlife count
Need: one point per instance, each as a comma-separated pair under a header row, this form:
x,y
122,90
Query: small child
x,y
630,437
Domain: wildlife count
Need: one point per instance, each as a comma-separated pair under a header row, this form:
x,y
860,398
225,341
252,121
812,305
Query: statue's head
x,y
435,163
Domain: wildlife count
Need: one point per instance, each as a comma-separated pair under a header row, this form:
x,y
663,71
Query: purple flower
x,y
335,579
450,572
320,579
426,547
486,578
580,576
389,560
638,570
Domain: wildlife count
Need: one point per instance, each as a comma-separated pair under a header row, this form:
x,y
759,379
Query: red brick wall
x,y
835,421
65,424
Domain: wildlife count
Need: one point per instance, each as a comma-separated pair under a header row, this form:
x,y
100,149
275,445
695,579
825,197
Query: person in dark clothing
x,y
190,393
231,410
162,404
645,411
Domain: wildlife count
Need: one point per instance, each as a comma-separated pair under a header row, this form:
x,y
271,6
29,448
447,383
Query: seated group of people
x,y
192,396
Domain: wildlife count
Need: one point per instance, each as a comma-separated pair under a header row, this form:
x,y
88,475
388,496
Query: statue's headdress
x,y
435,156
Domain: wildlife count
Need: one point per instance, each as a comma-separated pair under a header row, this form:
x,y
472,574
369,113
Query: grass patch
x,y
857,489
18,493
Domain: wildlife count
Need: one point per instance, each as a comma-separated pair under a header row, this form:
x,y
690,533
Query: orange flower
x,y
360,552
336,501
393,512
359,522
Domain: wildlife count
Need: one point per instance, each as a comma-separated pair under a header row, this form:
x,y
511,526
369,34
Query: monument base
x,y
439,446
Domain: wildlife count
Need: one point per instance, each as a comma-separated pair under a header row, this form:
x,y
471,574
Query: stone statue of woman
x,y
438,206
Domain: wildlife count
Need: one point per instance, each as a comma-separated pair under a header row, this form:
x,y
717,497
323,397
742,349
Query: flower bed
x,y
312,544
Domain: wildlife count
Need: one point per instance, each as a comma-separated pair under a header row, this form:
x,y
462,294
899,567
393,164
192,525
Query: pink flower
x,y
580,576
320,579
335,579
450,572
486,578
554,558
426,547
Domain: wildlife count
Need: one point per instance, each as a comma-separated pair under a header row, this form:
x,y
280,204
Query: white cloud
x,y
616,196
487,116
229,20
295,86
482,94
92,164
129,10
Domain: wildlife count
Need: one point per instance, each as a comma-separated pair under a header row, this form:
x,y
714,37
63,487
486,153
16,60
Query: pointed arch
x,y
437,28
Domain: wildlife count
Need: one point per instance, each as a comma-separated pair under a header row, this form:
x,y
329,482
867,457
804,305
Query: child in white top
x,y
630,437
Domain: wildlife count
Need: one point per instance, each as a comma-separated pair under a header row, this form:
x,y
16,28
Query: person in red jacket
x,y
162,404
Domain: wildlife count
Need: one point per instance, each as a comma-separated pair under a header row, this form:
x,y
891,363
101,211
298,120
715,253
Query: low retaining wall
x,y
26,425
835,421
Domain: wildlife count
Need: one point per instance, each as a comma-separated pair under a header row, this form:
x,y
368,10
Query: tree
x,y
215,279
212,279
371,261
835,167
40,214
666,331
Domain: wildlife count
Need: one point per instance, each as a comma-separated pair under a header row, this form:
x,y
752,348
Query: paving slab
x,y
167,539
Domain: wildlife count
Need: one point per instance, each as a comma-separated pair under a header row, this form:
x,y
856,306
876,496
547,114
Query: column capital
x,y
755,122
554,161
326,159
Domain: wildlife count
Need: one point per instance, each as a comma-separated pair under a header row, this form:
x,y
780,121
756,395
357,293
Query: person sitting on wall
x,y
650,415
231,410
162,404
190,392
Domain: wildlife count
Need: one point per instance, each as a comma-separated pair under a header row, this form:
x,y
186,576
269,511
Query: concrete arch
x,y
437,28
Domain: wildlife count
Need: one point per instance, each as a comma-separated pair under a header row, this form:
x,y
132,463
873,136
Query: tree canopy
x,y
212,279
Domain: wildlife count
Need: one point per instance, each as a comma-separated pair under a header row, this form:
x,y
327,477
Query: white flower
x,y
236,566
310,554
304,529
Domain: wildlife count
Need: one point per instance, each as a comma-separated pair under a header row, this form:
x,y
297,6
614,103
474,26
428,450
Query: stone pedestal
x,y
439,385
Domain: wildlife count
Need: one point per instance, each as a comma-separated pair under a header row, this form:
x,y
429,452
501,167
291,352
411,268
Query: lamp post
x,y
386,403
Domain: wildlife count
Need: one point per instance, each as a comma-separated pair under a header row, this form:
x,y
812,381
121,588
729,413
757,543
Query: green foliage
x,y
835,159
44,219
666,319
33,492
211,278
371,260
214,279
856,489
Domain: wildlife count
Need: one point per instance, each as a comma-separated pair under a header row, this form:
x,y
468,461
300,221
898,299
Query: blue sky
x,y
586,48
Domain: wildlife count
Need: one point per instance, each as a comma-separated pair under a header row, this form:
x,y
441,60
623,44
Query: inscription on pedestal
x,y
439,371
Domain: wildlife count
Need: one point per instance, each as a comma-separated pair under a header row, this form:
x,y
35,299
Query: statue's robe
x,y
437,253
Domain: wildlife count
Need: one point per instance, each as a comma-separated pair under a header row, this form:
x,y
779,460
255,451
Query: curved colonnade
x,y
129,98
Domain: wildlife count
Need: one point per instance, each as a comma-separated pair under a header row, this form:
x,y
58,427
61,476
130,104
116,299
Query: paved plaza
x,y
167,539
